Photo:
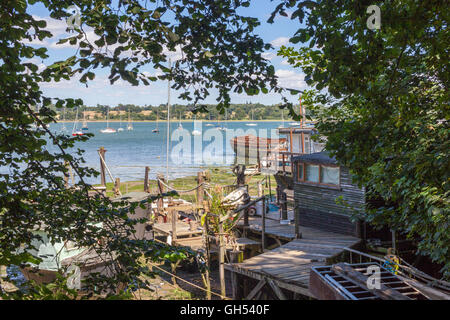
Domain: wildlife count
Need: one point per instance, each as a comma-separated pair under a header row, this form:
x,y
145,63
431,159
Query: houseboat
x,y
319,182
251,149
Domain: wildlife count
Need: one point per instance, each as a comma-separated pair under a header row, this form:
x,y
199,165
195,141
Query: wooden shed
x,y
325,196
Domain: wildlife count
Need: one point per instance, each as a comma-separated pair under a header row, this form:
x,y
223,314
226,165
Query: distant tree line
x,y
148,112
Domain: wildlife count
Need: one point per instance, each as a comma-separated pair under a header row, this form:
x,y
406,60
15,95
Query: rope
x,y
208,194
180,191
190,283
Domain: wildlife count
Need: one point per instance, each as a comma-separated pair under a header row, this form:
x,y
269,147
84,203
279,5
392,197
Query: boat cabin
x,y
324,194
299,141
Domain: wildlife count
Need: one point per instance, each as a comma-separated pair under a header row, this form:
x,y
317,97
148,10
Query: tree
x,y
219,49
382,100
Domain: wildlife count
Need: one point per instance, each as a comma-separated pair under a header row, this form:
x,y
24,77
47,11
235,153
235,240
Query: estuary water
x,y
128,152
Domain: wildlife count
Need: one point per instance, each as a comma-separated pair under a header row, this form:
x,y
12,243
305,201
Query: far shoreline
x,y
184,120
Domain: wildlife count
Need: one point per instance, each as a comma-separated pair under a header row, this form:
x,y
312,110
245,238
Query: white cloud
x,y
281,41
268,55
285,63
290,79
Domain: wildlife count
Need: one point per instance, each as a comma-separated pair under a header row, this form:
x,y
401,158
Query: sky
x,y
100,91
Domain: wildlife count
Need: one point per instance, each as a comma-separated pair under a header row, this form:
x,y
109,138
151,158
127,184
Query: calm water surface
x,y
128,152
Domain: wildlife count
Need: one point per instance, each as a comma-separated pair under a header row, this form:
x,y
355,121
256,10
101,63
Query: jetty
x,y
287,266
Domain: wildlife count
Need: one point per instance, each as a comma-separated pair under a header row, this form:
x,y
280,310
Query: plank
x,y
256,289
276,289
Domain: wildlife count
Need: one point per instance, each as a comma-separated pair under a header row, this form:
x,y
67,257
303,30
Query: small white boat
x,y
78,133
108,129
75,130
85,126
156,130
209,124
180,126
120,126
196,132
252,124
130,124
282,119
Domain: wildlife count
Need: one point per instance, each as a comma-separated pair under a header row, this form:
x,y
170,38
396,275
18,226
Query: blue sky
x,y
100,91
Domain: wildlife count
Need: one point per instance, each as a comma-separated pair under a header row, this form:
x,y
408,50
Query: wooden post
x,y
200,189
284,215
174,225
146,189
102,152
278,191
263,231
270,190
117,187
260,190
160,202
246,224
236,287
221,260
298,234
206,280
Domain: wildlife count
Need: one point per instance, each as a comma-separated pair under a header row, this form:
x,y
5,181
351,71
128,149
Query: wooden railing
x,y
284,163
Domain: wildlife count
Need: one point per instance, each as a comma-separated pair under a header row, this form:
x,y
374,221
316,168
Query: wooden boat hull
x,y
250,147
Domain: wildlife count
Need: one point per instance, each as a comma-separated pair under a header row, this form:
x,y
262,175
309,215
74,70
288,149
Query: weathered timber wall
x,y
317,205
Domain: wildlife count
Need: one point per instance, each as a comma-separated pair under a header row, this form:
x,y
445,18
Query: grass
x,y
219,176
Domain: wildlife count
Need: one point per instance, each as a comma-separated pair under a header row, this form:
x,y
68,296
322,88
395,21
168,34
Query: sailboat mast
x,y
75,122
168,123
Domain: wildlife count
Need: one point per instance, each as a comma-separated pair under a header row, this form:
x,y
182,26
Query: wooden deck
x,y
182,229
289,265
287,232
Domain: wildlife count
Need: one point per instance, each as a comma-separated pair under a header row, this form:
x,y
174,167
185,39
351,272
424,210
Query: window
x,y
300,172
329,175
318,174
312,173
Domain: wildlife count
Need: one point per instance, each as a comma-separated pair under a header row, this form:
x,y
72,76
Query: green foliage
x,y
385,108
219,50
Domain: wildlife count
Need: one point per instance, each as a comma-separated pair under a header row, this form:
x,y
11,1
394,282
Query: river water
x,y
128,152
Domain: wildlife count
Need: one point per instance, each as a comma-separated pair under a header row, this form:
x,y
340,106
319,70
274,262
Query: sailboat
x,y
156,130
196,132
63,128
222,128
120,127
130,125
209,124
85,126
108,129
251,124
282,119
75,130
180,127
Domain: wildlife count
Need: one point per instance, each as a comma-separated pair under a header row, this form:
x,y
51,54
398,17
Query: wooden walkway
x,y
288,266
286,232
182,229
